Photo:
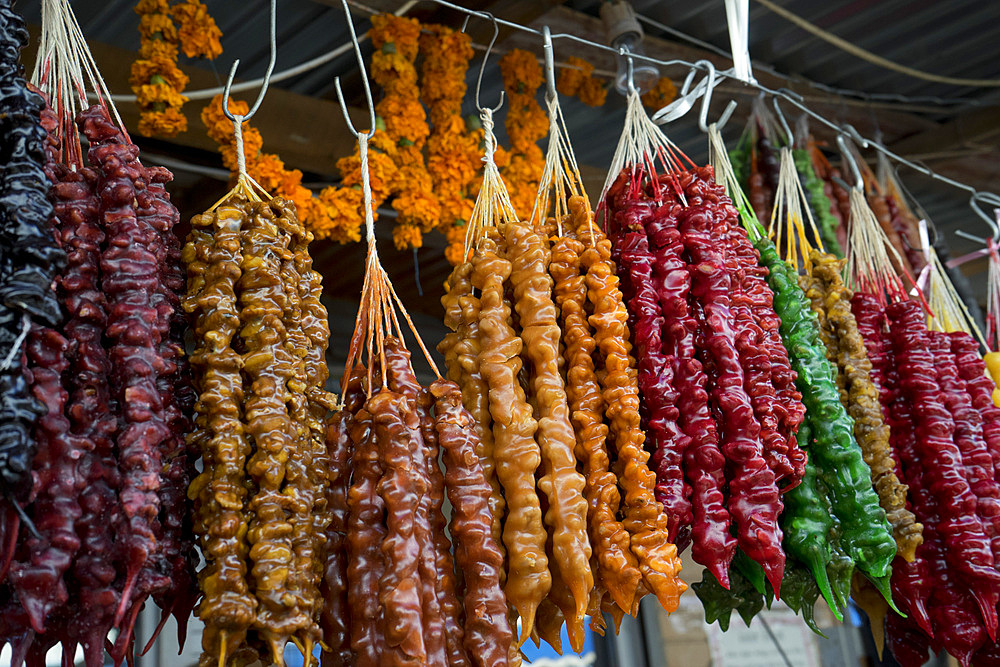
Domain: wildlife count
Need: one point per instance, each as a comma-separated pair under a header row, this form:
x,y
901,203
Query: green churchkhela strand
x,y
866,537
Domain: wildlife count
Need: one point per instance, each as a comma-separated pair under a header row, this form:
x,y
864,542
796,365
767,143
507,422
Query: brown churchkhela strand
x,y
334,620
397,425
617,565
462,310
440,606
213,257
268,366
644,519
560,481
487,634
365,532
516,453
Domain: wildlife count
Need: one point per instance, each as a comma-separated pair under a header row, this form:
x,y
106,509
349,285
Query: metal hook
x,y
482,66
789,137
974,205
364,80
626,53
855,135
550,64
859,182
267,76
706,98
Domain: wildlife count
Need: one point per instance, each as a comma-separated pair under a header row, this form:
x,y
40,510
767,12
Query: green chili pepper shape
x,y
819,203
806,524
867,537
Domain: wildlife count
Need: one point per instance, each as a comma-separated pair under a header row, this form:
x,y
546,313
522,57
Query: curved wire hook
x,y
550,64
789,137
482,66
267,76
991,222
859,182
364,81
706,100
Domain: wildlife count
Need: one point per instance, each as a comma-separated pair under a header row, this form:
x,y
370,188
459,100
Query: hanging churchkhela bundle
x,y
721,410
944,435
261,508
603,399
109,506
567,552
392,593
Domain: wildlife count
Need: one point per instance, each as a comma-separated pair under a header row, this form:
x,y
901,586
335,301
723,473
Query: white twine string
x,y
868,265
642,145
241,158
65,68
366,187
948,311
561,173
787,226
493,206
724,175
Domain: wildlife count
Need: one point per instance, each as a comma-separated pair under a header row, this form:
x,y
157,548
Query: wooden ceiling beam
x,y
969,129
306,132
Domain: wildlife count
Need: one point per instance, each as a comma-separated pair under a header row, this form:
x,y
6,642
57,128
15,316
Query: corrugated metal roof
x,y
957,38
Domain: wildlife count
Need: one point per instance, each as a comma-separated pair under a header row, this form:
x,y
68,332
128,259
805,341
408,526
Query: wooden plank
x,y
972,128
306,132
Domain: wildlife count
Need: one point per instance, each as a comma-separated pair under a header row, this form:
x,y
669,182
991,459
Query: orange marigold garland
x,y
155,78
396,42
453,153
577,80
662,94
526,123
198,33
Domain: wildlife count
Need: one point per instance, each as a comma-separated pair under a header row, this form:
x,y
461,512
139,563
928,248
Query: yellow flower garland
x,y
662,94
396,42
453,153
526,124
578,80
155,78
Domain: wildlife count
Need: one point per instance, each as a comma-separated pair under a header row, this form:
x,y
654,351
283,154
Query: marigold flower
x,y
662,94
167,123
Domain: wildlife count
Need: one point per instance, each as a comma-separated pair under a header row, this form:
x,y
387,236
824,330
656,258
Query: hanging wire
x,y
239,119
482,66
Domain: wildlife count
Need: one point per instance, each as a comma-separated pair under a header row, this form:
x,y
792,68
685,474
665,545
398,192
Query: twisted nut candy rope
x,y
644,517
516,453
213,258
334,619
302,476
397,425
365,532
440,606
618,567
831,301
268,366
487,634
561,483
461,349
314,325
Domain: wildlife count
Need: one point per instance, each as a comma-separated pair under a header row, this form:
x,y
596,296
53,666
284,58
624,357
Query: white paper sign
x,y
741,646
